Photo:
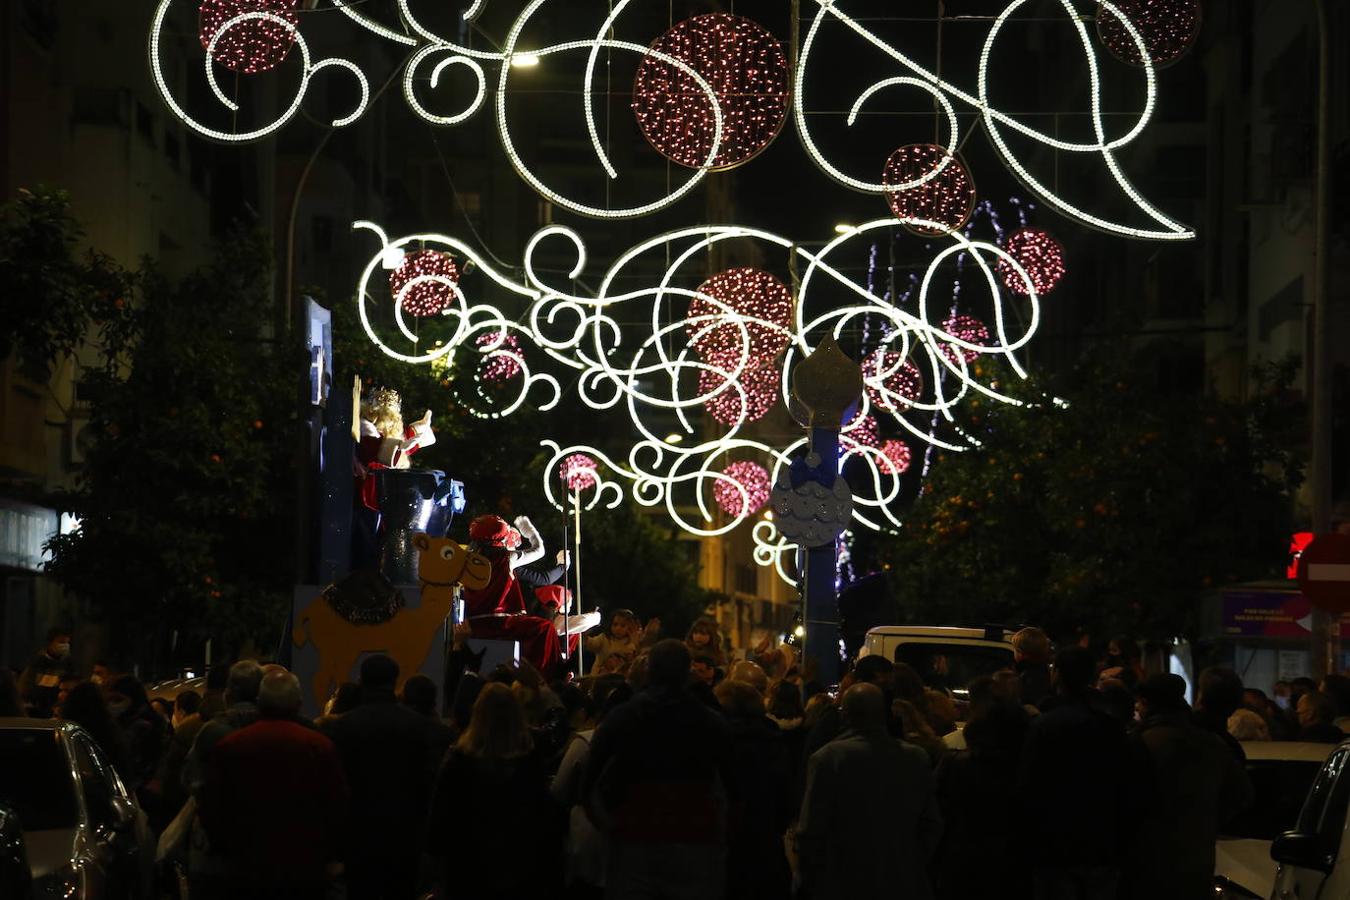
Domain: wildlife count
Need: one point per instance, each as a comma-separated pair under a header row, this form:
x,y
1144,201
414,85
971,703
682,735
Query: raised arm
x,y
532,543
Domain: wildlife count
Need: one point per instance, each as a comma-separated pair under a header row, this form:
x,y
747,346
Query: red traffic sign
x,y
1324,572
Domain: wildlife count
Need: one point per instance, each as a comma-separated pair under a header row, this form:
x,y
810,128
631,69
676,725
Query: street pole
x,y
822,598
1325,631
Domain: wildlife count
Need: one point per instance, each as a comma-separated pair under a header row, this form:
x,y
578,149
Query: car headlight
x,y
66,883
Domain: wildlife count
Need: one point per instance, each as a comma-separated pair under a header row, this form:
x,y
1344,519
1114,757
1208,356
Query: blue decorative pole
x,y
822,599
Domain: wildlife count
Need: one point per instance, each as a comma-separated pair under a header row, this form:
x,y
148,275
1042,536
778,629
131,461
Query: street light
x,y
524,60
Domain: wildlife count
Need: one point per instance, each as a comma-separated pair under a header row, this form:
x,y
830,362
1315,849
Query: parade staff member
x,y
497,612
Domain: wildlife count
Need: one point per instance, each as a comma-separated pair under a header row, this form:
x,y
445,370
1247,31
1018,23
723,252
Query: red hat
x,y
555,596
493,531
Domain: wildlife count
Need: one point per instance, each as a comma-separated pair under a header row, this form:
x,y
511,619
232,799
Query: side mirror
x,y
124,812
1307,851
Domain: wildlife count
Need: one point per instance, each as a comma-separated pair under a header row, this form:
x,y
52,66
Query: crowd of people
x,y
672,772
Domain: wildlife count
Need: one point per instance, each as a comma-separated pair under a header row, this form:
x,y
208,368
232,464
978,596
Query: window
x,y
35,779
1280,786
95,784
1324,812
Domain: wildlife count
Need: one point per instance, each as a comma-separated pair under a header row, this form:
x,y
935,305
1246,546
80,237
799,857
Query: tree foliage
x,y
1112,508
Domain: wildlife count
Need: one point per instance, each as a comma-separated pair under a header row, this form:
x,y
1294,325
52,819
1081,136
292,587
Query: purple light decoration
x,y
947,198
760,384
966,328
426,298
863,431
728,297
892,383
578,472
1169,28
895,458
501,366
252,46
1037,252
749,475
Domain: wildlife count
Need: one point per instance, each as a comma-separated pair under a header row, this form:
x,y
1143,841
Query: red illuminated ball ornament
x,y
498,366
895,458
754,478
734,296
968,329
757,395
434,294
251,46
1037,252
893,384
578,472
934,186
1169,28
748,72
863,431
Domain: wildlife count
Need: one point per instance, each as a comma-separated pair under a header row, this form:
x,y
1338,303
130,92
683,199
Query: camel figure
x,y
407,636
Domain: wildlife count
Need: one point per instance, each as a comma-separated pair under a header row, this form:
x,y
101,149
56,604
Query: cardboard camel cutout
x,y
406,637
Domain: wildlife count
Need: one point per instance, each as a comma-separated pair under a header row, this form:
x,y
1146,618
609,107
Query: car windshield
x,y
35,779
951,667
1281,786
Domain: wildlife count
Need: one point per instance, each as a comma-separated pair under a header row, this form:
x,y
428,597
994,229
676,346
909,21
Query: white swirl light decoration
x,y
308,70
651,370
996,120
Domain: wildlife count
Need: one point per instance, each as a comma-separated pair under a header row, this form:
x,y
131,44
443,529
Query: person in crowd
x,y
876,670
785,710
240,698
1117,699
1316,713
869,819
68,681
614,664
751,674
1075,789
86,706
659,779
817,707
1337,687
346,698
275,803
11,706
1123,661
41,679
1193,784
419,695
147,733
942,713
756,862
705,639
492,822
1277,724
912,726
586,846
163,706
186,723
1218,694
971,792
704,668
103,672
213,693
1031,661
1245,725
389,757
1280,693
625,636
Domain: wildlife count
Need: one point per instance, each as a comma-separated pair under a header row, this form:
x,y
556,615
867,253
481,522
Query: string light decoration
x,y
749,492
1169,28
895,458
892,383
249,46
502,363
1039,254
747,296
942,191
968,329
745,399
863,431
748,71
579,472
424,280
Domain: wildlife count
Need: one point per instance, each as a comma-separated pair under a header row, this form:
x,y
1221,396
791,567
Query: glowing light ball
x,y
497,366
760,386
1037,252
941,189
425,298
578,472
1169,28
966,328
748,72
733,296
863,430
751,476
895,458
252,46
893,383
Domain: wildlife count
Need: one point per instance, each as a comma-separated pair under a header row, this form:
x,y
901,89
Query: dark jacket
x,y
663,768
40,682
756,861
275,802
390,755
1035,679
1192,785
1076,787
869,821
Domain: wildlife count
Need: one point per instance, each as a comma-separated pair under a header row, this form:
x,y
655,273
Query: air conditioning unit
x,y
79,436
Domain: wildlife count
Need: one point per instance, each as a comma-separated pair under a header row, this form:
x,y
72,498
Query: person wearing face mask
x,y
40,683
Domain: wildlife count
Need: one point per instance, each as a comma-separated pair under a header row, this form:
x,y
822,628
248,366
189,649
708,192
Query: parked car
x,y
1314,856
86,837
1281,773
947,658
15,879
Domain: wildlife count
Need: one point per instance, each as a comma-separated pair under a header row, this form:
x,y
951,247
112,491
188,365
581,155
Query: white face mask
x,y
1282,702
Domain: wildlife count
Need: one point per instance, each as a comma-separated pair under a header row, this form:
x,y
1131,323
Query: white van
x,y
945,657
1314,858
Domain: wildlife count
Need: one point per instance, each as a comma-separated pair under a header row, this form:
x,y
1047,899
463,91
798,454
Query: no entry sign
x,y
1324,572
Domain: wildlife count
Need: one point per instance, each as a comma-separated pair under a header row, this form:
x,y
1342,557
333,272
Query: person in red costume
x,y
497,612
385,443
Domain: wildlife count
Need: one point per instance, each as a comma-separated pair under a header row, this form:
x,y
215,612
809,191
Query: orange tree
x,y
1109,504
